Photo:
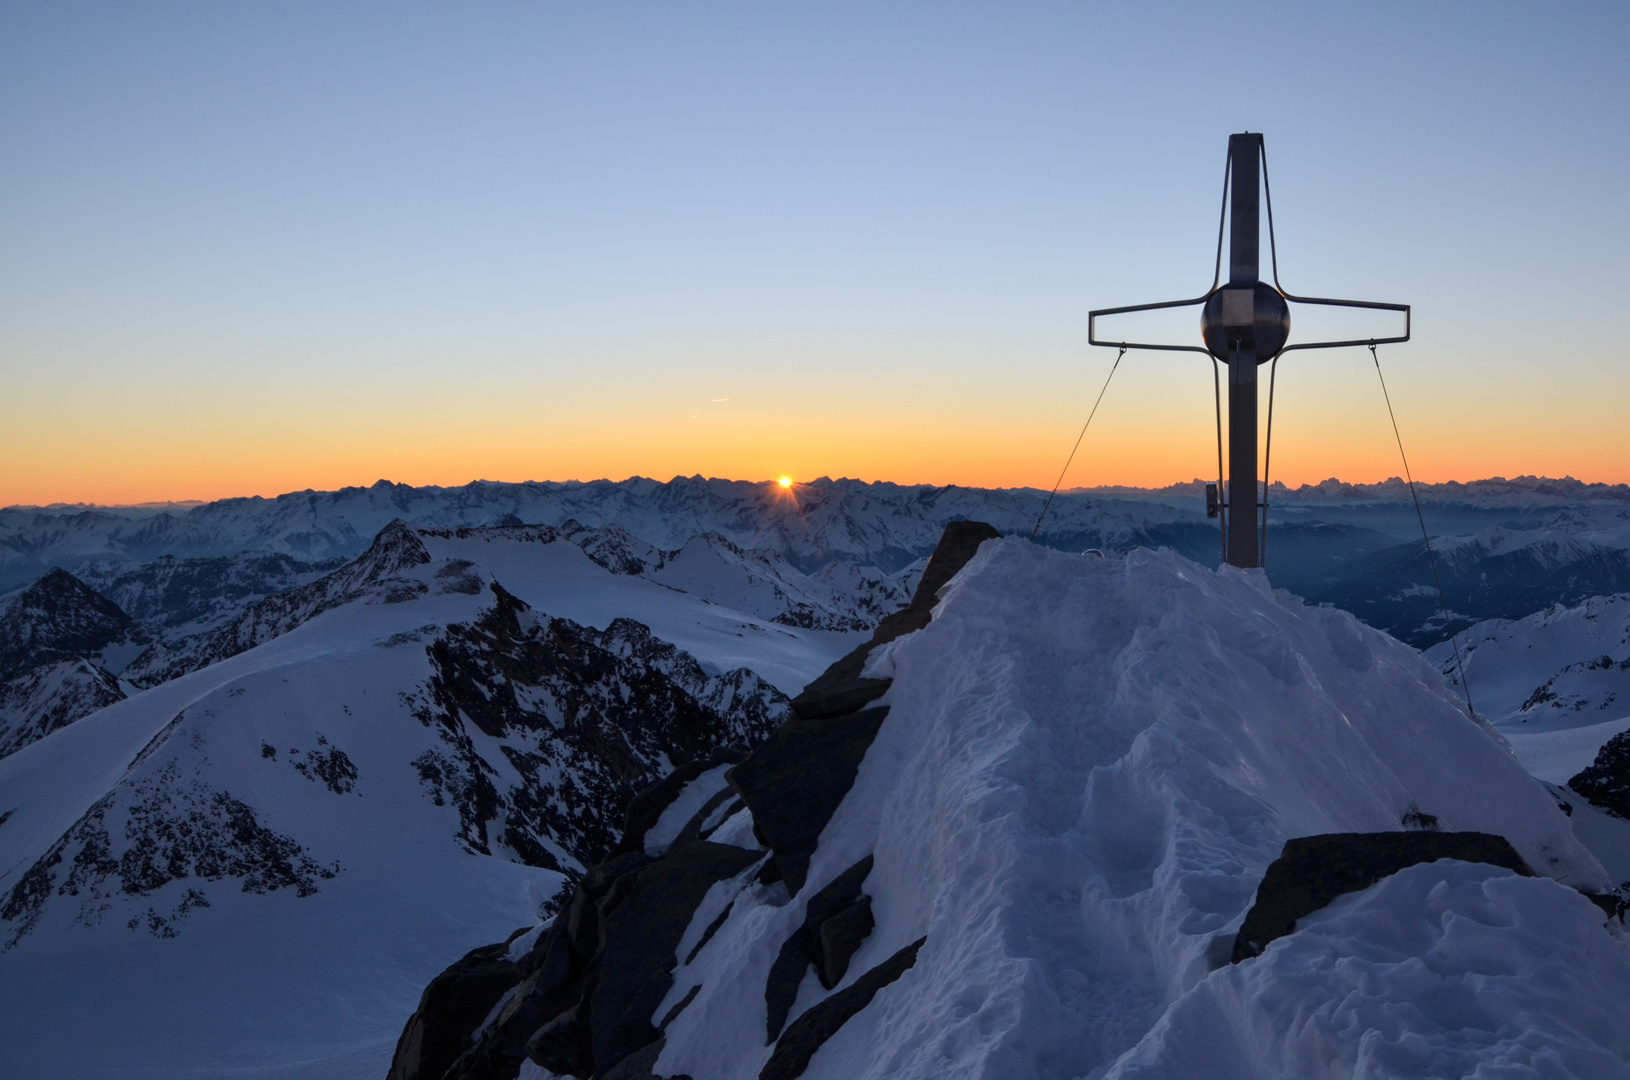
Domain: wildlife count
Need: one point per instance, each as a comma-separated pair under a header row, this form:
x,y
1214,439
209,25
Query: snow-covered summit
x,y
1040,867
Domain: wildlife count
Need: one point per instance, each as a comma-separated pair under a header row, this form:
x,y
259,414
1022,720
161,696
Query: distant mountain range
x,y
1507,547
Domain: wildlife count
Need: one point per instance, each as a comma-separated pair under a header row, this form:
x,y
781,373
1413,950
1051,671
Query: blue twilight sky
x,y
256,248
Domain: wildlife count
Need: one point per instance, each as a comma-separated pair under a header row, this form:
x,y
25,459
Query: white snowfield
x,y
1088,765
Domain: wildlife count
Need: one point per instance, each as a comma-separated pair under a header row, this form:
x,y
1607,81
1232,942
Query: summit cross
x,y
1244,323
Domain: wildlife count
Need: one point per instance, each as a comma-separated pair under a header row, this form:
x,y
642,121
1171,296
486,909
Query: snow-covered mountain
x,y
171,598
252,865
1563,667
886,525
1037,855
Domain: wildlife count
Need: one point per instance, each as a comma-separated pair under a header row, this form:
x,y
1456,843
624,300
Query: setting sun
x,y
785,481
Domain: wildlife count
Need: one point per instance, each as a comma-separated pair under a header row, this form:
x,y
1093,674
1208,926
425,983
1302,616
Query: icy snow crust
x,y
1087,767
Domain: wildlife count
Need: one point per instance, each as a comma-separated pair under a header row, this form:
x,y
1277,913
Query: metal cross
x,y
1244,324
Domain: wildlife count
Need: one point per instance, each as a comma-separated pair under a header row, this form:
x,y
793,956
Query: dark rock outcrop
x,y
1311,871
795,781
836,920
841,688
806,1034
645,808
642,933
449,1009
1605,783
585,992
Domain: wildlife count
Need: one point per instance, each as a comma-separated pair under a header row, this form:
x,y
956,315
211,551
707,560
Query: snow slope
x,y
253,868
1556,684
1547,671
1087,766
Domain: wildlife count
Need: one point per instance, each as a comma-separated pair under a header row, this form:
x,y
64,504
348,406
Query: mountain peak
x,y
58,617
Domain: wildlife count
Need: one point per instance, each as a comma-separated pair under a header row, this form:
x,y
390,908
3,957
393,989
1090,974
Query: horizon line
x,y
1175,486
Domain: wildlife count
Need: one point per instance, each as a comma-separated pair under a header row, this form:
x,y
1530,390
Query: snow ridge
x,y
1087,765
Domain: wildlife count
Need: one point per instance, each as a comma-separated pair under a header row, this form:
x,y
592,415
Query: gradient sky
x,y
248,249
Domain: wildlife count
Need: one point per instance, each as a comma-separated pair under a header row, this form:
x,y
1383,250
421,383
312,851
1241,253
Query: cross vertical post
x,y
1244,250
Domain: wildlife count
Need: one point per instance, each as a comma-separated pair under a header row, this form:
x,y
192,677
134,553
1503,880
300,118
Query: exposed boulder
x,y
1605,783
1311,871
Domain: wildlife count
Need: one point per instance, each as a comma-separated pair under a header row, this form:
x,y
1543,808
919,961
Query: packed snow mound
x,y
1436,971
1087,766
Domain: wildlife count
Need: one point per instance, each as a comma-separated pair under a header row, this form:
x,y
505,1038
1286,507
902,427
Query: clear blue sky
x,y
254,248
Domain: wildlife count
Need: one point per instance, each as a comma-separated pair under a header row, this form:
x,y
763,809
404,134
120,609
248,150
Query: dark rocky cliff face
x,y
1606,781
586,718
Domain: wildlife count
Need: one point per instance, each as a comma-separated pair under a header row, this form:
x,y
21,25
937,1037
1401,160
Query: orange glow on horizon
x,y
1156,429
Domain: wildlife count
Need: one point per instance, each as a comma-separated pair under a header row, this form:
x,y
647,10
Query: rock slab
x,y
1311,871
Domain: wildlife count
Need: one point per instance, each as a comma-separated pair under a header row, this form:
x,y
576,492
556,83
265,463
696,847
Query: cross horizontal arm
x,y
1092,325
1093,339
1327,302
